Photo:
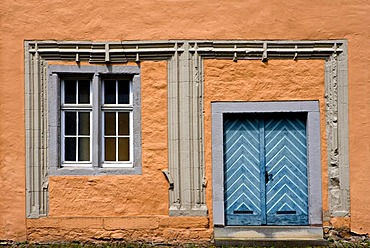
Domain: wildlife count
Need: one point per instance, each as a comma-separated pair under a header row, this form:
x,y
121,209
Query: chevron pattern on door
x,y
242,171
265,160
286,164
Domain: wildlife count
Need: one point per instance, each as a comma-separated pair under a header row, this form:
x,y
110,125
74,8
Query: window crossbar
x,y
117,107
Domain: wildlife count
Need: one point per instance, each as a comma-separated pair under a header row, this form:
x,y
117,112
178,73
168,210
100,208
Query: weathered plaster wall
x,y
277,80
169,19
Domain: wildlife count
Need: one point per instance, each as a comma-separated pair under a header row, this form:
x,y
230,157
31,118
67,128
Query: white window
x,y
99,122
76,108
117,125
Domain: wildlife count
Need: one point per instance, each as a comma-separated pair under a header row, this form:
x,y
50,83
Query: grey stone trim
x,y
274,233
94,72
336,94
37,53
314,174
124,51
94,171
264,107
98,70
36,124
185,131
313,150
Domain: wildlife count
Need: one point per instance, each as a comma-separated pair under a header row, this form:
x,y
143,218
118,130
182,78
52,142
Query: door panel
x,y
286,166
242,171
265,170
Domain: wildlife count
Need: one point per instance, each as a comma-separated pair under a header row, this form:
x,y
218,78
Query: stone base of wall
x,y
337,230
156,230
338,236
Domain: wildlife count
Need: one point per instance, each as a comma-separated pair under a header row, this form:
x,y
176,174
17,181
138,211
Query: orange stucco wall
x,y
170,19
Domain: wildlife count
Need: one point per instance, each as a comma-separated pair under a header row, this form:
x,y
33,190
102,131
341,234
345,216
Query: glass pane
x,y
110,91
70,123
123,92
123,149
84,123
70,149
110,123
83,91
83,149
110,149
123,123
70,91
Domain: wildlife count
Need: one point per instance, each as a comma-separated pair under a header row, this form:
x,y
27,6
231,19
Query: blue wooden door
x,y
243,203
265,167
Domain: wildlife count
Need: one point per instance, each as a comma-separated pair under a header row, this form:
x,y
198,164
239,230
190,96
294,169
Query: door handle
x,y
268,177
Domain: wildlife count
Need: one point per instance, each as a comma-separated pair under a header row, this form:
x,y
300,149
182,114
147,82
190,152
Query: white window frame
x,y
117,108
75,108
57,108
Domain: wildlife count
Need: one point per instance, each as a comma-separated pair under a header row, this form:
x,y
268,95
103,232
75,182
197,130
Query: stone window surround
x,y
185,102
96,73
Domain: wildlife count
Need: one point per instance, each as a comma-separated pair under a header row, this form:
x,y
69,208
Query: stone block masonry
x,y
148,229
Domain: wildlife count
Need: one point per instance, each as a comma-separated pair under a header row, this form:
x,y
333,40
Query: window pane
x,y
70,123
110,149
123,123
83,149
110,91
70,149
123,92
84,123
70,91
83,91
123,149
110,123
